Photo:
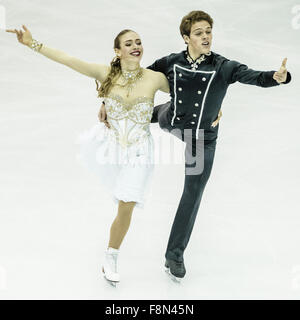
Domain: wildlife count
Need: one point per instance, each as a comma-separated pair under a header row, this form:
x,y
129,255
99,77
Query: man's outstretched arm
x,y
235,71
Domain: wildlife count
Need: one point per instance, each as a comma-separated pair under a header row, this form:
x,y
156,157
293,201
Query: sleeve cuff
x,y
268,80
288,78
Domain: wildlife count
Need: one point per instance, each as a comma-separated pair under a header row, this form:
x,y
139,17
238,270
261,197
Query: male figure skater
x,y
198,80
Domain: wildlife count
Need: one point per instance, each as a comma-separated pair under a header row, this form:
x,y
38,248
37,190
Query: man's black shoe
x,y
177,269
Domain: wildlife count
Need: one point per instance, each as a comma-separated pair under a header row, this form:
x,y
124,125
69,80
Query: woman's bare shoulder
x,y
150,72
154,74
158,80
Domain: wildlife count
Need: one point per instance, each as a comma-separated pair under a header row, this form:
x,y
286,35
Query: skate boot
x,y
176,270
109,267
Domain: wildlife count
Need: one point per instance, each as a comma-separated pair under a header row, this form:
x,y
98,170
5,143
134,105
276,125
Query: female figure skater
x,y
122,155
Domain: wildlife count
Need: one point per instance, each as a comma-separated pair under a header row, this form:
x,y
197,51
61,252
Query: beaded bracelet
x,y
35,45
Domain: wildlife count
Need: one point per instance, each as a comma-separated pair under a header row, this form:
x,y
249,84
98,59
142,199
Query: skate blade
x,y
112,283
173,278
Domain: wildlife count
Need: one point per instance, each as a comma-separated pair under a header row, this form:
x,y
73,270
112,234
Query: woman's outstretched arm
x,y
93,70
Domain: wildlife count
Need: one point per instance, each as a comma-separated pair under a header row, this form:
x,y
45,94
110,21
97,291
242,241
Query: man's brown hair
x,y
194,16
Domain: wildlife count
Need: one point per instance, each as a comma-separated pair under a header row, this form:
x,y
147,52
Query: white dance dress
x,y
122,156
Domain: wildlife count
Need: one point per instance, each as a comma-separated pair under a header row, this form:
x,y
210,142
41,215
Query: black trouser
x,y
199,157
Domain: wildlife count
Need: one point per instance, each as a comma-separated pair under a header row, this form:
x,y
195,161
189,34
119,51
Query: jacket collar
x,y
195,63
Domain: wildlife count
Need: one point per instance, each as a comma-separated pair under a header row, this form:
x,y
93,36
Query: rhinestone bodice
x,y
129,121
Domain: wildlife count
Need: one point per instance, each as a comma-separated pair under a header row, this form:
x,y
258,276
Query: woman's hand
x,y
24,37
280,76
218,119
102,115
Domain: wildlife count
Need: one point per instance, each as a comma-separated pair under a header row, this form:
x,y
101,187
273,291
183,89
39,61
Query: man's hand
x,y
102,115
280,76
218,119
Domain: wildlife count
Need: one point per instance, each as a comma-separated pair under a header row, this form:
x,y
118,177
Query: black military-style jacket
x,y
198,89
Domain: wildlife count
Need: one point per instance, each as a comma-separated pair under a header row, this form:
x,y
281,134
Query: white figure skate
x,y
109,267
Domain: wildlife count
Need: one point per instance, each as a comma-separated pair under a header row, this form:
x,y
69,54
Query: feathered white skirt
x,y
126,172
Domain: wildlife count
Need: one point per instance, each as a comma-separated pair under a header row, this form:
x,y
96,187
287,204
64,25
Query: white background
x,y
55,216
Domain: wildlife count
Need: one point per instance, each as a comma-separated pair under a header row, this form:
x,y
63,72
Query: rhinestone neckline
x,y
131,77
